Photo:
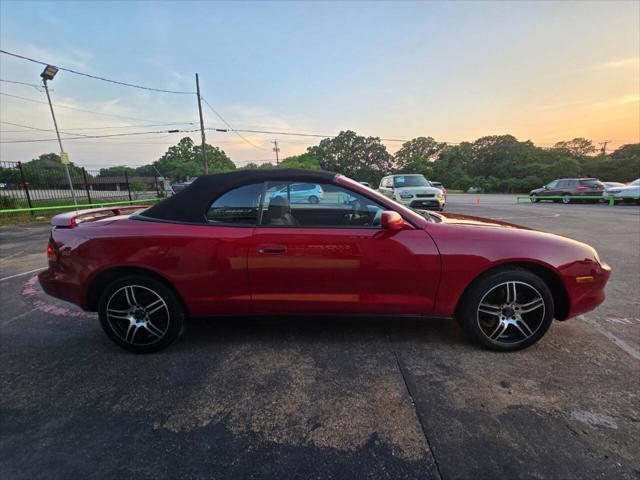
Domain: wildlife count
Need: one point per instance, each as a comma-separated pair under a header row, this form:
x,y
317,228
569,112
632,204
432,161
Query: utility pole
x,y
277,150
603,149
48,74
204,148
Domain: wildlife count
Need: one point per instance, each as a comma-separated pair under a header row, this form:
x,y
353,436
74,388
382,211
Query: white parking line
x,y
630,349
17,317
21,274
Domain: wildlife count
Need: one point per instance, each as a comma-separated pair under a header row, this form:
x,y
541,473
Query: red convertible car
x,y
237,243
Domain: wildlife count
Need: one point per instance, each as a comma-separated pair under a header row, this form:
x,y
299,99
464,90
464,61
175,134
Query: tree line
x,y
498,163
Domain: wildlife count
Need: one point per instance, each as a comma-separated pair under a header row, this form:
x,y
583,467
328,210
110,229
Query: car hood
x,y
470,220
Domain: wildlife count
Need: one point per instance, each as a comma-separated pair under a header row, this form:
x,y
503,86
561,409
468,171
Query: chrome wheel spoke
x,y
131,332
531,306
130,296
523,328
153,307
500,329
153,330
490,309
511,292
119,314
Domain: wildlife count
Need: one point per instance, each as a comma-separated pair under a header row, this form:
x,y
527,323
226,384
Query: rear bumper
x,y
58,285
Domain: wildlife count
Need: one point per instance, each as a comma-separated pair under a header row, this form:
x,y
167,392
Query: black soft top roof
x,y
190,204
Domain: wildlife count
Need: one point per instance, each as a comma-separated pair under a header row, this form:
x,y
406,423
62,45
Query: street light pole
x,y
48,74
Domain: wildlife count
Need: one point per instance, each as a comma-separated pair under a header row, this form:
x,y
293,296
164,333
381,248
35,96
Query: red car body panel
x,y
336,270
421,270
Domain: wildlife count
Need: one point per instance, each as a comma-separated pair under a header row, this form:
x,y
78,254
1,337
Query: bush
x,y
7,202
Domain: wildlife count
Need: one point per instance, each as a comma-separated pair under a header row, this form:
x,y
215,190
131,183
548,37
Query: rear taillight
x,y
52,251
581,189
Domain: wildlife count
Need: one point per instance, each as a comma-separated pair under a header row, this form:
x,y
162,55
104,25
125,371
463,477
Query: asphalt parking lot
x,y
314,398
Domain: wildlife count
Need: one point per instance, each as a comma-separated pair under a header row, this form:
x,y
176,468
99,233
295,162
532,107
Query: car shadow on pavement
x,y
321,330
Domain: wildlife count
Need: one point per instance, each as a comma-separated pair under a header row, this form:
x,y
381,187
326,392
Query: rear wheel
x,y
507,310
140,313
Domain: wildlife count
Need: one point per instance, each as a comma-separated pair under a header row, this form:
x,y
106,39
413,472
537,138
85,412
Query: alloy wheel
x,y
138,315
511,312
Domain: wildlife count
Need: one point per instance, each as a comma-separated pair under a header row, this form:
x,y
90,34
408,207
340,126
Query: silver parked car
x,y
628,193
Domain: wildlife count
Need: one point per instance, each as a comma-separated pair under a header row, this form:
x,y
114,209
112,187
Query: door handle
x,y
272,249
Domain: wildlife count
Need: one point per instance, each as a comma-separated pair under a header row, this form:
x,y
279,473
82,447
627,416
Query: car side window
x,y
563,184
239,206
553,184
317,205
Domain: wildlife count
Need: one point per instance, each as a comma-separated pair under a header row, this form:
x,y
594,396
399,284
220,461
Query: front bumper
x,y
432,202
585,297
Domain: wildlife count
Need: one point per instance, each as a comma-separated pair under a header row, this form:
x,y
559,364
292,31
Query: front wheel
x,y
566,198
533,197
141,313
507,310
313,199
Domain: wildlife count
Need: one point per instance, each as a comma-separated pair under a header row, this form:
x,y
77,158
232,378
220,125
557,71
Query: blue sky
x,y
541,71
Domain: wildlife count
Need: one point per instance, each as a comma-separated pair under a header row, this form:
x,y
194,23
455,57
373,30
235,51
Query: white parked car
x,y
628,193
301,193
413,191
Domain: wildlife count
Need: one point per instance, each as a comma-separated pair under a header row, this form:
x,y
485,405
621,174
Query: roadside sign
x,y
64,158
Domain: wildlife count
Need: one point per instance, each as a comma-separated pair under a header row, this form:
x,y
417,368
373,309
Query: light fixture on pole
x,y
47,74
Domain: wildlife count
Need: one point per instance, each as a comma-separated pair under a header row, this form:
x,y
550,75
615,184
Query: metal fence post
x,y
25,186
155,178
86,184
126,177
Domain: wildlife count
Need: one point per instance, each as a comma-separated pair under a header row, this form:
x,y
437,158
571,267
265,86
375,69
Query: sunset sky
x,y
544,71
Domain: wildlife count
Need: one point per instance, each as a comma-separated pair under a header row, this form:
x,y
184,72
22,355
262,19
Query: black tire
x,y
481,323
314,199
566,198
534,198
149,322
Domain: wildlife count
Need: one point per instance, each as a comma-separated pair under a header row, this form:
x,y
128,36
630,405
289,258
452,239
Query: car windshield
x,y
410,181
635,183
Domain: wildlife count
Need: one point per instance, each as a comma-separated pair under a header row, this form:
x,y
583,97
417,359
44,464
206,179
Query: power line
x,y
99,136
95,77
246,140
34,85
59,105
112,127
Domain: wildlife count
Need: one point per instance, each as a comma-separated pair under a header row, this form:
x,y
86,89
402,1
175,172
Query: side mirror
x,y
545,187
392,220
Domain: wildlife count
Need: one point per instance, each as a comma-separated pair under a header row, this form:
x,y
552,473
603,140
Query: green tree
x,y
184,160
307,160
117,171
358,157
578,147
623,165
416,155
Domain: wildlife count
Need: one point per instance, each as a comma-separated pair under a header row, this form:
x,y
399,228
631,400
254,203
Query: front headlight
x,y
405,195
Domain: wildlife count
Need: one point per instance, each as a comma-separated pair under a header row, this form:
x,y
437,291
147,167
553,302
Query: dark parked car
x,y
567,188
179,186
